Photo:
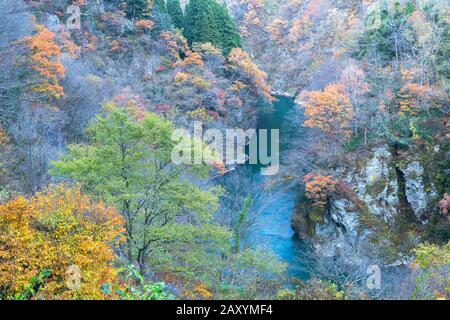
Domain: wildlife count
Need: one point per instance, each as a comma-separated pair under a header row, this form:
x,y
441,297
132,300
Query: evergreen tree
x,y
175,12
229,36
137,9
200,22
160,6
161,17
208,21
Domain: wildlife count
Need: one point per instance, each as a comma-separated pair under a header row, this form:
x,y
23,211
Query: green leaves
x,y
33,285
128,164
208,21
175,12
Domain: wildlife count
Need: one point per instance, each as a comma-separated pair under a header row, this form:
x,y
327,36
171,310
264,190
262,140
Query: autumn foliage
x,y
444,205
53,231
44,58
329,110
241,60
318,188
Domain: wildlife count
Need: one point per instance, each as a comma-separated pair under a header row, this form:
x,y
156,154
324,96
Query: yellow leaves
x,y
202,291
408,74
251,16
329,110
200,114
44,55
54,230
3,137
206,48
421,26
238,86
240,60
197,81
181,77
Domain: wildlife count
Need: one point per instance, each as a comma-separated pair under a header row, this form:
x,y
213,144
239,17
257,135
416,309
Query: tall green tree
x,y
160,16
208,21
229,36
159,5
128,164
200,22
138,9
176,13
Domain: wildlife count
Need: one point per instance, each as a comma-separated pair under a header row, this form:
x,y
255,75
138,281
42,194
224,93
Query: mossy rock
x,y
376,187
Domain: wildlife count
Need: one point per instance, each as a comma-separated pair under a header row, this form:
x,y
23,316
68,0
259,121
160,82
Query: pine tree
x,y
175,12
229,36
137,9
160,16
200,24
208,21
160,6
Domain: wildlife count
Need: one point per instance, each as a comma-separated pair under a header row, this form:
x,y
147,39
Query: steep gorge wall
x,y
386,201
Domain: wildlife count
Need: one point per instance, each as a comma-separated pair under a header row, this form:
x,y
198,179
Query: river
x,y
273,228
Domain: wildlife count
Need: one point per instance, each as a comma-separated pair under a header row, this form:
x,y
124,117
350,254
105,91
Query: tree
x,y
229,36
161,17
247,70
208,21
318,188
138,9
128,163
48,234
432,262
176,13
44,55
329,110
200,23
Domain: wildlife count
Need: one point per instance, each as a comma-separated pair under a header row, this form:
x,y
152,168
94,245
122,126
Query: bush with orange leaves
x,y
44,59
143,24
52,231
318,188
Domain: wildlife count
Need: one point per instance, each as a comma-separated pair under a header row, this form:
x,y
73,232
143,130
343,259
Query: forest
x,y
96,95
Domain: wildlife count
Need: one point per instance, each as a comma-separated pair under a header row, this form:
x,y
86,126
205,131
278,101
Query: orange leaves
x,y
240,60
53,231
143,24
251,16
277,29
329,110
318,188
202,290
44,55
412,95
192,59
175,44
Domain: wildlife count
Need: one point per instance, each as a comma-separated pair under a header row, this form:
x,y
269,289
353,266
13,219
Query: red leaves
x,y
444,205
